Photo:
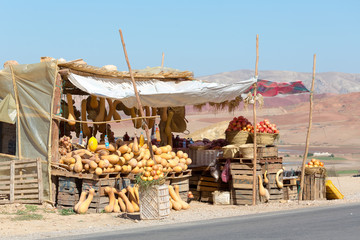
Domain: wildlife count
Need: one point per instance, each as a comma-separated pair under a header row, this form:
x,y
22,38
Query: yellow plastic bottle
x,y
141,140
157,134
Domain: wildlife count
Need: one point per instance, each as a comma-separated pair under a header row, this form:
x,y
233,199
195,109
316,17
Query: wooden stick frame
x,y
142,114
308,133
254,116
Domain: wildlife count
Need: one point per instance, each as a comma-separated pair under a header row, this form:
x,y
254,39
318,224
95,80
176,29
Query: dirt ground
x,y
19,221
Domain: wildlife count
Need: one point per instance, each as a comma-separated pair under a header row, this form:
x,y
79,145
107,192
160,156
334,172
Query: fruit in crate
x,y
314,163
266,127
239,124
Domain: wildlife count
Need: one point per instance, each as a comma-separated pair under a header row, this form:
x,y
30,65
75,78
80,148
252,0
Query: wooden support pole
x,y
142,114
308,133
254,113
17,100
12,181
162,61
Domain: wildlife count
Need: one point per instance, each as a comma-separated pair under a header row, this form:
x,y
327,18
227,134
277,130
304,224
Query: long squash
x,y
101,115
116,115
110,207
152,120
129,206
85,205
278,183
111,110
176,205
93,102
81,200
116,206
168,128
71,116
85,128
184,205
78,167
132,198
122,204
136,190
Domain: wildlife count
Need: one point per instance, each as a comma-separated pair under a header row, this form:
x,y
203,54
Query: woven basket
x,y
315,170
230,151
247,150
265,138
238,137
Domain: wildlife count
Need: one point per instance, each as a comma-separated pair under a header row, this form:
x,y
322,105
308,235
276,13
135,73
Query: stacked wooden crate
x,y
203,184
68,192
241,183
100,199
21,181
314,187
183,183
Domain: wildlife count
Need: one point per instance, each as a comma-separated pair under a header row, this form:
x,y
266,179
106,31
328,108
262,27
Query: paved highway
x,y
335,222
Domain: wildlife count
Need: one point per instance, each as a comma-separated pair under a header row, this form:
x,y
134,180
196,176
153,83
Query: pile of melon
x,y
128,158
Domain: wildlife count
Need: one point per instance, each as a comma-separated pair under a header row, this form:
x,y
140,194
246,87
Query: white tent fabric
x,y
155,93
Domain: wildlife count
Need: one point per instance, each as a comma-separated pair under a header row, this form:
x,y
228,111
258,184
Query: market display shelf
x,y
250,160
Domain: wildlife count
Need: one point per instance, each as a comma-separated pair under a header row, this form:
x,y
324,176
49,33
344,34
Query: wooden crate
x,y
314,187
21,181
241,185
68,192
290,192
183,183
202,184
268,151
100,199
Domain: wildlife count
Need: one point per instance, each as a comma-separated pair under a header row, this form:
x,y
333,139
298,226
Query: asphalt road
x,y
336,222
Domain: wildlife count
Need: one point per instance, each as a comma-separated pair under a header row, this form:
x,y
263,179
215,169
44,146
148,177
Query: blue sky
x,y
206,37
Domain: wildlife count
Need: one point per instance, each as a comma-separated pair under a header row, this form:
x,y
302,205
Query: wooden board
x,y
269,151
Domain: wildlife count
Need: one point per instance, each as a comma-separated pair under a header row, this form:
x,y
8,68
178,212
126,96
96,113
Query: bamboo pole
x,y
18,111
308,133
254,116
162,61
137,96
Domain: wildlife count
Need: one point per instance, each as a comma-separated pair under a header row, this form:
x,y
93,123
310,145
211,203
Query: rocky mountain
x,y
327,82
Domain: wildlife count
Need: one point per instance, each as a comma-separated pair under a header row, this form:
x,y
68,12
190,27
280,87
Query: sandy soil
x,y
55,225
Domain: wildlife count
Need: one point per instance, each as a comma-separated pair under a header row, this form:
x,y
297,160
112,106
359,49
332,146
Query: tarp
x,y
35,84
271,89
8,109
156,93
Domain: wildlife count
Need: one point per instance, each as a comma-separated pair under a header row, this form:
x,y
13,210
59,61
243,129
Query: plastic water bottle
x,y
106,142
81,138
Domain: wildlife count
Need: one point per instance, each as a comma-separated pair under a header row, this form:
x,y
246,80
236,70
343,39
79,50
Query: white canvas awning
x,y
155,93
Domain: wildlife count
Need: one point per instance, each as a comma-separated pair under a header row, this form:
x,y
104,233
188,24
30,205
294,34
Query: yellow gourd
x,y
168,128
266,180
101,115
261,187
184,205
136,191
137,122
92,144
93,102
116,206
85,205
111,110
176,205
110,207
129,206
85,128
152,120
78,167
71,116
81,200
122,204
135,145
278,183
132,198
116,115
